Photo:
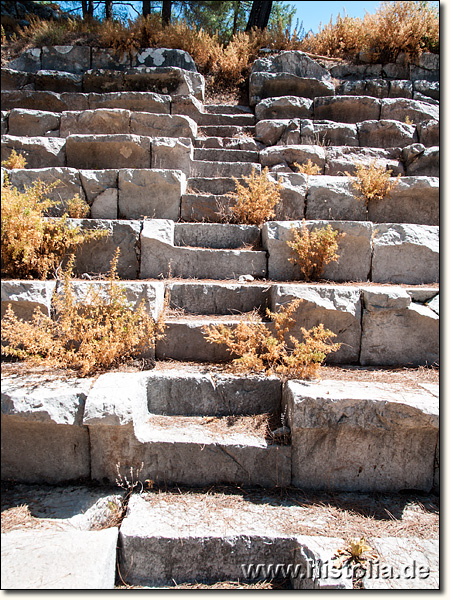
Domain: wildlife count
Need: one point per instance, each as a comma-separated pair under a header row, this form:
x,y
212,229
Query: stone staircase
x,y
156,165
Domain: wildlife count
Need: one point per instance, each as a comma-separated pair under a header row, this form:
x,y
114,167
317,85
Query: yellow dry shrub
x,y
99,334
254,202
14,161
256,349
314,249
308,168
32,245
373,182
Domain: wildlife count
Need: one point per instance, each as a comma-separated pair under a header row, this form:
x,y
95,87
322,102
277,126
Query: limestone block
x,y
354,250
136,101
333,198
292,135
428,60
357,436
426,163
269,85
108,58
412,200
172,153
284,107
396,71
152,193
38,151
58,81
434,304
26,296
417,73
294,62
334,134
270,131
164,57
187,105
112,397
405,253
16,80
400,108
398,335
426,99
74,59
69,183
95,256
101,121
29,61
176,126
48,101
215,235
293,194
293,154
165,80
117,151
386,134
4,122
342,70
24,122
103,81
106,205
315,556
378,88
347,109
341,160
427,88
97,182
400,89
337,308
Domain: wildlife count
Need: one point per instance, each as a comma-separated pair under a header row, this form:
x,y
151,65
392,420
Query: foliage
x,y
255,202
308,168
98,334
356,551
402,26
373,182
314,249
257,349
14,161
32,245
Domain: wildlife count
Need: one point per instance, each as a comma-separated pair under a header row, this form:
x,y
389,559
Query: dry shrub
x,y
257,350
94,336
14,161
314,249
32,245
373,182
254,203
308,168
403,26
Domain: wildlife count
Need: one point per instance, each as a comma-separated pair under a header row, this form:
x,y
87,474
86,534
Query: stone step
x,y
227,109
212,185
218,120
242,143
205,207
225,155
227,131
210,169
212,235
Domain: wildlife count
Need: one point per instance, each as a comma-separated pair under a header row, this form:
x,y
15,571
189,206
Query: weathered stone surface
x,y
212,235
59,560
112,398
292,193
138,101
347,109
16,80
417,73
412,200
270,131
108,151
293,154
400,108
354,250
204,207
410,563
425,163
428,60
175,126
29,60
426,99
337,308
108,58
377,88
284,107
69,183
343,159
38,151
26,296
165,80
4,122
104,81
427,88
58,81
164,57
434,304
269,85
357,436
172,153
74,59
333,198
397,331
106,205
396,71
101,121
218,298
23,122
95,256
400,89
344,70
152,193
48,101
98,181
293,61
386,134
405,254
329,133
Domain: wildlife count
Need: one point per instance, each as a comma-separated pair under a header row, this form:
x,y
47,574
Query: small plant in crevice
x,y
314,249
14,161
308,168
373,182
254,347
100,333
254,202
33,245
357,551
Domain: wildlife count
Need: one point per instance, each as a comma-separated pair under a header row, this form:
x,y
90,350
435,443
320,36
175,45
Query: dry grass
x,y
253,203
14,161
372,182
20,517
